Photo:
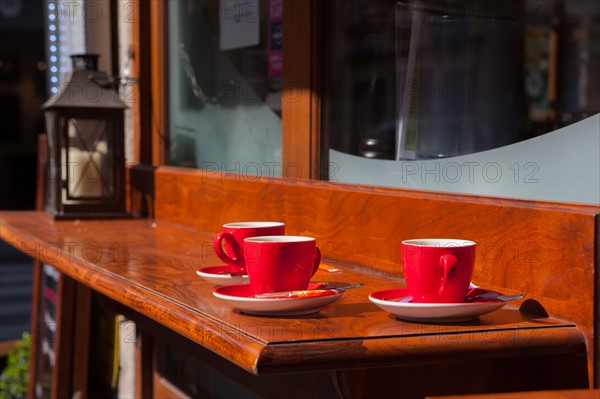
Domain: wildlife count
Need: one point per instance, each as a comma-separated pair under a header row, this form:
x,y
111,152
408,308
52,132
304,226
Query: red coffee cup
x,y
229,243
438,270
280,263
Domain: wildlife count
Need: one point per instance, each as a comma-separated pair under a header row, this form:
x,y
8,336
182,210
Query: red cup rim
x,y
245,225
278,239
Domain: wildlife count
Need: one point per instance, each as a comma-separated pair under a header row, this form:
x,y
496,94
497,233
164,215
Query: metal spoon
x,y
338,288
494,295
488,295
232,274
322,289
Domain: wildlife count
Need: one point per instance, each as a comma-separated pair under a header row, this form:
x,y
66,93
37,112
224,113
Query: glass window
x,y
419,88
224,85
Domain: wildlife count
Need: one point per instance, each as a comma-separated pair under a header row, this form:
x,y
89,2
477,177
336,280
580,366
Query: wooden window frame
x,y
301,135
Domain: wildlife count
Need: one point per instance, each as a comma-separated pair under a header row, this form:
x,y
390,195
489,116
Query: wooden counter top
x,y
150,267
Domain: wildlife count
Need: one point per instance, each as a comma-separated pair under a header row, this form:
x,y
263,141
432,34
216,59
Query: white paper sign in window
x,y
239,22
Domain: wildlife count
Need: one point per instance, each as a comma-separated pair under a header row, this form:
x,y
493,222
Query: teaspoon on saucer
x,y
489,296
494,296
321,290
228,273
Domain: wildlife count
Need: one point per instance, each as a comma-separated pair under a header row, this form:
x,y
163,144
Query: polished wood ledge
x,y
149,267
548,250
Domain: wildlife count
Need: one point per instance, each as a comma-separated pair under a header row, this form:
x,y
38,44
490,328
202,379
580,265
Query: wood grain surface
x,y
546,250
149,266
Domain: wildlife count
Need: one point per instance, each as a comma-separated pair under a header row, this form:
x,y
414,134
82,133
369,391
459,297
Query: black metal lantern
x,y
86,156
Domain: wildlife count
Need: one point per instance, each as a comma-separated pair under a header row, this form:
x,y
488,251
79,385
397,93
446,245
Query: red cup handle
x,y
317,261
218,247
448,262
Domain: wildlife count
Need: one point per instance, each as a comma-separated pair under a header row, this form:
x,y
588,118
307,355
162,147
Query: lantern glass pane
x,y
87,153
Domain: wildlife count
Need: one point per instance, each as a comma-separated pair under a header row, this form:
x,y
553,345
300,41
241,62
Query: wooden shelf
x,y
149,267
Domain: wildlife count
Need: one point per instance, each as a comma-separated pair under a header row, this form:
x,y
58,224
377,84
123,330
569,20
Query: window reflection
x,y
225,71
434,79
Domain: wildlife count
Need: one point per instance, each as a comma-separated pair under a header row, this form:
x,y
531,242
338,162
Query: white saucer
x,y
242,298
219,275
397,302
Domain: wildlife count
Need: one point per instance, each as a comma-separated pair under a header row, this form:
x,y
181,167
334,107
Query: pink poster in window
x,y
275,38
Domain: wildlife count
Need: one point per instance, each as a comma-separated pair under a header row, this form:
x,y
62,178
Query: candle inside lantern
x,y
83,171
